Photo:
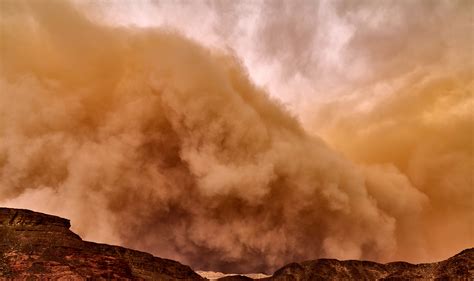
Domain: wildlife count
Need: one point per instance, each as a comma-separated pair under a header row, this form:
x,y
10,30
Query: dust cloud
x,y
147,139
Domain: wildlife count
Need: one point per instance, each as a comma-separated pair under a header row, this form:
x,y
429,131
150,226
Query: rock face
x,y
459,267
38,246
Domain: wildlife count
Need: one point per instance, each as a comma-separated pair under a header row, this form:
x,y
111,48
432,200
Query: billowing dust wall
x,y
146,139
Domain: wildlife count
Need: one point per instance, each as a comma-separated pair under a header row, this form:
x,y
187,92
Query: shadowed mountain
x,y
458,267
40,246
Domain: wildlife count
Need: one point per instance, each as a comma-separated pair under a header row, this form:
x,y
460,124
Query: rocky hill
x,y
39,246
458,267
42,246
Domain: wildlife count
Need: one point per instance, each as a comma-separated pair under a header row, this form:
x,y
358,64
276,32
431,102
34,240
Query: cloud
x,y
147,139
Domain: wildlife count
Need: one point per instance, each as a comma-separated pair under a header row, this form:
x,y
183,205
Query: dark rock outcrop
x,y
38,246
458,267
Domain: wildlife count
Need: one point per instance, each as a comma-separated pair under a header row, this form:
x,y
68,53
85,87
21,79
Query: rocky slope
x,y
458,267
40,246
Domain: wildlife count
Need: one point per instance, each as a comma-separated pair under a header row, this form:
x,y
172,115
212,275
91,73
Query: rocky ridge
x,y
458,267
36,246
39,246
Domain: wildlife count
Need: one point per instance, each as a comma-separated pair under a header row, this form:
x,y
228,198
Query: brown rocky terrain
x,y
38,246
458,267
35,246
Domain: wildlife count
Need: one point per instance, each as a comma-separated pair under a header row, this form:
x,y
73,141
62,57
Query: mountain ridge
x,y
42,246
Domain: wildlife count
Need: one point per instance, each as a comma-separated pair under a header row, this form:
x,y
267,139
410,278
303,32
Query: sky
x,y
252,133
